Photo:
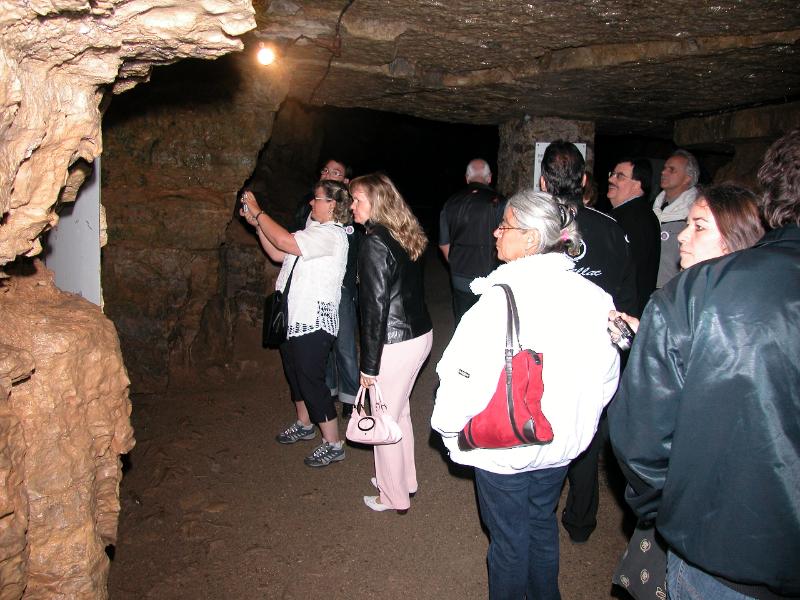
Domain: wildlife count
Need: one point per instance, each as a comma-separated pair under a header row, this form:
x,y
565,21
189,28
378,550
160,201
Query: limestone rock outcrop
x,y
64,426
57,60
64,408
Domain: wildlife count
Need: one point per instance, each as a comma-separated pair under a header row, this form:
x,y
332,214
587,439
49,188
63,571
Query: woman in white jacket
x,y
564,317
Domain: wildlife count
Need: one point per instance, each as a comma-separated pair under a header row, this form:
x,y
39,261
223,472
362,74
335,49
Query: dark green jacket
x,y
706,423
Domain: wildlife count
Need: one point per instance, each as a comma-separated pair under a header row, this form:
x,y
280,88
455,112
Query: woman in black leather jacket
x,y
396,329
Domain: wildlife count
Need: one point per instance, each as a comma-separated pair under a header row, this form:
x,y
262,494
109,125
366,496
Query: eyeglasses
x,y
324,199
505,227
334,172
618,175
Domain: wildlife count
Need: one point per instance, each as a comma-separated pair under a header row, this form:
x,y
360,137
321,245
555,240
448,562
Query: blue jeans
x,y
687,582
519,512
342,370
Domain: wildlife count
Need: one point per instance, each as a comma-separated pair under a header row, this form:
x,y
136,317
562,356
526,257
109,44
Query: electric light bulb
x,y
266,55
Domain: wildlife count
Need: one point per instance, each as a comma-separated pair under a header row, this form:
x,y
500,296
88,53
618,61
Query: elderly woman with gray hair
x,y
563,317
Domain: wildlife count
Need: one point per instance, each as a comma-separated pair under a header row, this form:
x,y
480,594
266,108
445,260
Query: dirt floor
x,y
213,507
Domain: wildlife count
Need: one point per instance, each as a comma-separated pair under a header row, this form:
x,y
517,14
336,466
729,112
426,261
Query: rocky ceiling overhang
x,y
630,66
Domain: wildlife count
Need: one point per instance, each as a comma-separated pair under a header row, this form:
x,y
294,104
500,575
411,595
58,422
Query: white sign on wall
x,y
73,247
537,167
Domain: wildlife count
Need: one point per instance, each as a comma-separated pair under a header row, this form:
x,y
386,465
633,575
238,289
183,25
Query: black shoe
x,y
347,410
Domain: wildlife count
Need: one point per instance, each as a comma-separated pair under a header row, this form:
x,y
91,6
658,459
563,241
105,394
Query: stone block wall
x,y
518,140
173,165
747,133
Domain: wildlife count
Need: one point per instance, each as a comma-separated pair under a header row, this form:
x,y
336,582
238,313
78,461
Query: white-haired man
x,y
466,224
679,179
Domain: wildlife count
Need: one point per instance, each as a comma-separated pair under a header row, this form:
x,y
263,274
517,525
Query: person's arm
x,y
375,267
274,254
278,238
444,236
643,414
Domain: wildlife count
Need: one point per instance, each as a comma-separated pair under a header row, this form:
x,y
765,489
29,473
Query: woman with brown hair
x,y
396,330
313,260
723,219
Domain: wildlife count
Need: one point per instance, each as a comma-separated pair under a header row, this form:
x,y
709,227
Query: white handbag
x,y
375,428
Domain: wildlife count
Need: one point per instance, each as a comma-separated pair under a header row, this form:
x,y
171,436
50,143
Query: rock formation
x,y
65,423
174,169
627,66
171,173
63,389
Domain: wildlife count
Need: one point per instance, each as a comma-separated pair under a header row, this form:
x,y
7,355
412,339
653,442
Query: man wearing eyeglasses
x,y
334,170
629,194
604,260
466,223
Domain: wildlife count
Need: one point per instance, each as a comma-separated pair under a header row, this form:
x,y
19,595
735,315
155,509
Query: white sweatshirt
x,y
563,316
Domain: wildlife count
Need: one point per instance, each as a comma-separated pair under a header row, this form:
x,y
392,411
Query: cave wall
x,y
64,408
177,151
517,150
746,134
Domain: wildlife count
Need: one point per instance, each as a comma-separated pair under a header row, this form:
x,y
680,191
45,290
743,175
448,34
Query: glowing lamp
x,y
265,55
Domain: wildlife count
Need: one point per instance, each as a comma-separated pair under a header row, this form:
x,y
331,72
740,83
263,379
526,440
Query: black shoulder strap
x,y
512,325
289,279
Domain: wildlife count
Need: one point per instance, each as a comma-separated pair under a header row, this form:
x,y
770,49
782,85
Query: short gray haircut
x,y
482,172
692,166
552,219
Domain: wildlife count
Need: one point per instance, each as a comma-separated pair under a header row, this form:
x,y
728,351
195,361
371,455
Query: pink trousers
x,y
395,469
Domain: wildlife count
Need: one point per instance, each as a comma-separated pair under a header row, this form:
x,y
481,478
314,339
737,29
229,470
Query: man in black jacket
x,y
629,194
466,225
706,423
604,260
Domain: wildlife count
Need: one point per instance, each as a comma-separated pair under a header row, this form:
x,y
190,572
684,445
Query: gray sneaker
x,y
296,432
324,454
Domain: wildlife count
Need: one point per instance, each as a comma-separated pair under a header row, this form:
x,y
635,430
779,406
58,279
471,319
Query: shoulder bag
x,y
376,428
276,314
514,415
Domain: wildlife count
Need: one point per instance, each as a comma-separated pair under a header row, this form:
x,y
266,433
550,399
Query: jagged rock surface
x,y
62,429
65,427
16,365
629,66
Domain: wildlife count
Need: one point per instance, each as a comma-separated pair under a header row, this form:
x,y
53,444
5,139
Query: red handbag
x,y
514,415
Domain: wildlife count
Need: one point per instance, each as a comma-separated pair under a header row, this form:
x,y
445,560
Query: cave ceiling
x,y
630,66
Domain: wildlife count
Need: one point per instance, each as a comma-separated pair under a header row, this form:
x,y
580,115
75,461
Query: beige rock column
x,y
518,139
73,414
16,365
63,428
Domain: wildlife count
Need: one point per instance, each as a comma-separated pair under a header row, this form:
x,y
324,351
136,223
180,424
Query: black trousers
x,y
462,302
304,360
579,516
